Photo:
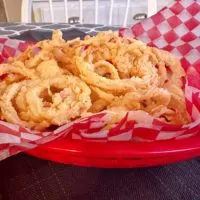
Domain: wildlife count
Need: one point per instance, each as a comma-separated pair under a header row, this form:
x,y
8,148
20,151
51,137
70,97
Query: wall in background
x,y
41,10
2,12
13,10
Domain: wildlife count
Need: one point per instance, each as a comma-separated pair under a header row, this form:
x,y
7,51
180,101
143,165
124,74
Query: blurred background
x,y
10,10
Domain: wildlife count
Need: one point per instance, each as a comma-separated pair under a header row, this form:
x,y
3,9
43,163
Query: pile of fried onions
x,y
55,82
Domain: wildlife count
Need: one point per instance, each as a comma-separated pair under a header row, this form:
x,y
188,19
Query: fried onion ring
x,y
67,98
48,69
55,82
11,114
12,69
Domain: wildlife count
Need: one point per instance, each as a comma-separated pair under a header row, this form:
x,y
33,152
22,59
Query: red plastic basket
x,y
118,154
175,29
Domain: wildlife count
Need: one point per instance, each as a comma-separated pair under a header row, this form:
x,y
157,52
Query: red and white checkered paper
x,y
176,29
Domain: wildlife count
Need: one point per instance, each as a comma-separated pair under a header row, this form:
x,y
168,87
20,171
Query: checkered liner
x,y
175,29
